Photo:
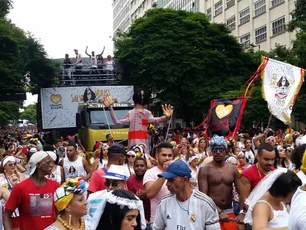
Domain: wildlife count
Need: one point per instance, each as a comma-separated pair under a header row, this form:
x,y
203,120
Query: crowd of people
x,y
182,181
96,68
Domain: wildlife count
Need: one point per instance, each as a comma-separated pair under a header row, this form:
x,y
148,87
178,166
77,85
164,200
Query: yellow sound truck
x,y
79,109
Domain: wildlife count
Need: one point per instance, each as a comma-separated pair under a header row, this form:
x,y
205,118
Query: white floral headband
x,y
97,202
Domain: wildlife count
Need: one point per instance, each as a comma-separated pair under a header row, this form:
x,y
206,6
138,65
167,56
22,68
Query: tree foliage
x,y
20,53
5,6
184,58
9,111
29,113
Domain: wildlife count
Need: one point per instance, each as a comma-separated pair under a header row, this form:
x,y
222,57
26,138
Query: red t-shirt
x,y
133,185
253,175
97,181
36,204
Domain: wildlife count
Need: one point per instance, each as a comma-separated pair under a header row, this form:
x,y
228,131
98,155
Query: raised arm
x,y
102,51
87,53
125,120
153,188
168,111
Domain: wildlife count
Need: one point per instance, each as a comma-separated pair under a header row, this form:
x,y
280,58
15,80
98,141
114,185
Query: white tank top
x,y
94,61
56,175
280,217
109,65
74,169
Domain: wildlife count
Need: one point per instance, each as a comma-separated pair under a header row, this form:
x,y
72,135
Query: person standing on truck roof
x,y
138,118
74,165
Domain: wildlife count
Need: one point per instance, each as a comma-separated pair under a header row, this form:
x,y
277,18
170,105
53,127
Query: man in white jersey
x,y
297,217
74,165
184,208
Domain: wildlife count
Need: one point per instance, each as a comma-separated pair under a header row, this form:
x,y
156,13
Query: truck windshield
x,y
98,116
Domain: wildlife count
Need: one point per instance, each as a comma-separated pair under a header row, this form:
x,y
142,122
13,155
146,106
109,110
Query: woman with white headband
x,y
192,163
267,202
9,177
116,210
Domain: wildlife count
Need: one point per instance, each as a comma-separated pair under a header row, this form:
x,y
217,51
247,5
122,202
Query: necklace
x,y
67,226
186,210
259,173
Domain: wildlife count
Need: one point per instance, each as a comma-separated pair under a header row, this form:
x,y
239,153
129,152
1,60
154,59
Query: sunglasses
x,y
218,149
108,183
11,164
130,156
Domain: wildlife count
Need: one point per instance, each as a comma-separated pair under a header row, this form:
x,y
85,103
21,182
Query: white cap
x,y
131,152
52,155
36,158
117,172
33,150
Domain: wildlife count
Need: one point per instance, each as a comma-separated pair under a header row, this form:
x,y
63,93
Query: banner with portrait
x,y
281,83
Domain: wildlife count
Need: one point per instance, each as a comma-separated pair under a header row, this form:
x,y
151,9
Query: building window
x,y
261,34
245,40
276,2
230,3
279,26
218,8
231,23
208,13
260,7
244,15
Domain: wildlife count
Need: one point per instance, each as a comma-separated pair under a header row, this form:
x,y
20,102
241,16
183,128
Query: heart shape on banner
x,y
56,98
222,110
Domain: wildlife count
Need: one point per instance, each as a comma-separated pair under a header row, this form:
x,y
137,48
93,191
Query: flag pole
x,y
269,120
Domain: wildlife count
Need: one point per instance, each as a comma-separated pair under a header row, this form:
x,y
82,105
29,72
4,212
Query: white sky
x,y
64,25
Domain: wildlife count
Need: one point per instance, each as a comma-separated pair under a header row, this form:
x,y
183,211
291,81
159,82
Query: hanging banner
x,y
281,83
224,117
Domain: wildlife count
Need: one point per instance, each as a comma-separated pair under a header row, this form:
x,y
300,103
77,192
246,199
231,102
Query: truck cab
x,y
94,122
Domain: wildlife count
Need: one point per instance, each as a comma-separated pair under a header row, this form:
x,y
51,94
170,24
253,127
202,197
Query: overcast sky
x,y
63,25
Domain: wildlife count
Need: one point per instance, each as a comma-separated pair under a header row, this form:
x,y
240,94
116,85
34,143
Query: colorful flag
x,y
224,117
281,83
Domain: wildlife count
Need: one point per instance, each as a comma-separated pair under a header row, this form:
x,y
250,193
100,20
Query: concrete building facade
x,y
258,22
126,11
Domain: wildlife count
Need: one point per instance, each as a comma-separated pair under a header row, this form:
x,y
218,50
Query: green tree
x,y
5,6
29,113
9,111
184,58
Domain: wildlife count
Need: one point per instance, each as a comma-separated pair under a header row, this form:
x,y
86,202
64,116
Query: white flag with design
x,y
281,83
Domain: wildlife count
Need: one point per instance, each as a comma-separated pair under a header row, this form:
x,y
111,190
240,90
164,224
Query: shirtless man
x,y
216,179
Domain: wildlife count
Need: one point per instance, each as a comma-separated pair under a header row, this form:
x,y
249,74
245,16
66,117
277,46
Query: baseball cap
x,y
176,168
36,158
115,149
117,172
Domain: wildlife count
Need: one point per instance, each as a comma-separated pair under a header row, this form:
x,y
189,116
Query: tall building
x,y
188,5
261,23
126,11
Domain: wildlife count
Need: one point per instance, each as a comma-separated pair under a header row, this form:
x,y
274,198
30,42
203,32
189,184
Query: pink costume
x,y
138,122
